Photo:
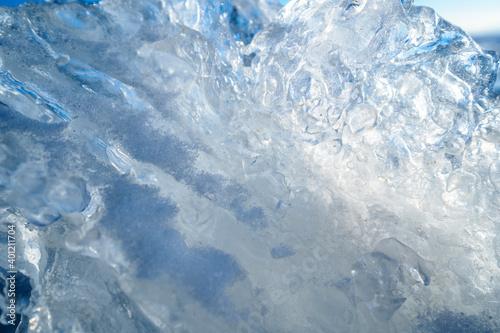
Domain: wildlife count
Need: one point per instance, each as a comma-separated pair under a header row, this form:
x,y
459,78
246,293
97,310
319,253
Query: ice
x,y
239,166
375,276
282,251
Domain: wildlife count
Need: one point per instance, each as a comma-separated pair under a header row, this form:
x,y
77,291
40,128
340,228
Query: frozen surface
x,y
205,166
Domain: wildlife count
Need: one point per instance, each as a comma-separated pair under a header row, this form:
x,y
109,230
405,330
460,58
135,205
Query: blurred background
x,y
480,19
475,17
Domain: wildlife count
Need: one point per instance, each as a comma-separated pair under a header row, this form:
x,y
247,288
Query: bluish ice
x,y
244,166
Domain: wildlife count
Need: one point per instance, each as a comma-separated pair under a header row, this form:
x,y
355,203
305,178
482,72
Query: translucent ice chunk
x,y
489,127
495,174
45,199
29,101
67,195
381,278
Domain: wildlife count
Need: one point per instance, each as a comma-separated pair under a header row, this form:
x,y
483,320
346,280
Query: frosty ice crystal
x,y
235,166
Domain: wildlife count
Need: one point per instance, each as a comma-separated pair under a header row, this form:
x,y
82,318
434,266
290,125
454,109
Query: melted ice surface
x,y
204,166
